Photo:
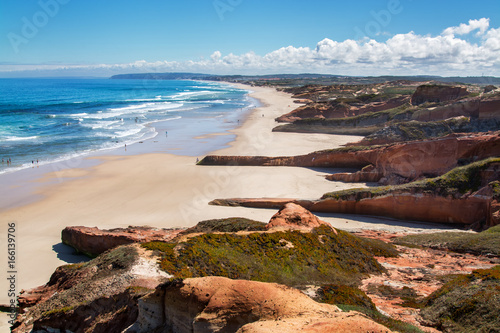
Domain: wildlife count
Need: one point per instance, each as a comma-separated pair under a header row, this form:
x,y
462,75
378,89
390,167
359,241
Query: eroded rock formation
x,y
437,94
466,195
294,217
217,304
93,241
394,163
98,296
341,108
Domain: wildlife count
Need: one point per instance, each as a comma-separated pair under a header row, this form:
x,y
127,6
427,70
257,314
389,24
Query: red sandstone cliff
x,y
98,296
294,217
93,241
402,162
437,94
436,200
340,109
217,304
481,108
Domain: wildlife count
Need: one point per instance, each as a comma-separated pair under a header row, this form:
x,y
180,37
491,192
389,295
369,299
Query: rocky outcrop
x,y
489,108
366,119
418,271
302,101
489,88
478,108
93,241
465,195
369,174
294,217
341,108
316,110
420,130
401,205
336,158
404,161
437,94
98,296
217,304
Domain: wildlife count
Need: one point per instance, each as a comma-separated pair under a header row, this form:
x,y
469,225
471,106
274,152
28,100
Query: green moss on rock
x,y
486,242
232,224
345,295
292,258
393,324
467,303
454,183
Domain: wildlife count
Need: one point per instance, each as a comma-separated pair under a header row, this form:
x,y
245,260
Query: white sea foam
x,y
77,115
134,110
129,132
101,124
113,125
19,138
189,94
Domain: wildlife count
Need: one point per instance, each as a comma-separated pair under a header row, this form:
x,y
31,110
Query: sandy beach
x,y
164,190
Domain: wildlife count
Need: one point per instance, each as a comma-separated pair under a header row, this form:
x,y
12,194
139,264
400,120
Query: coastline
x,y
165,190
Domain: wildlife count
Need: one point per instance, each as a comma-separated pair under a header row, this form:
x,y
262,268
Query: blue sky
x,y
79,37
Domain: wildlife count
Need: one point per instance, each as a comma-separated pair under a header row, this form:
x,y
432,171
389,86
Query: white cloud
x,y
403,54
463,29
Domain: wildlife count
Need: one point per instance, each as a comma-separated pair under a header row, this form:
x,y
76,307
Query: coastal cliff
x,y
429,103
93,241
437,93
466,195
297,272
183,285
131,288
218,304
397,162
341,108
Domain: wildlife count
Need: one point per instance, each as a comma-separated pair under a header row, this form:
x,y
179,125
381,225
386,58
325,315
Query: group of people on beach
x,y
9,161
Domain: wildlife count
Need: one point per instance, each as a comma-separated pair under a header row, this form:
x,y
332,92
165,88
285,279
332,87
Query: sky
x,y
361,37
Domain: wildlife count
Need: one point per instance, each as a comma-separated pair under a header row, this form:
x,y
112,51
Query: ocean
x,y
51,120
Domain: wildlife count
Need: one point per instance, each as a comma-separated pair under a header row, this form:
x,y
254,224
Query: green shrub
x,y
393,324
485,242
466,303
232,224
345,295
456,182
292,257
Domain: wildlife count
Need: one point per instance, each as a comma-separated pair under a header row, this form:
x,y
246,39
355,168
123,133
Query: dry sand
x,y
165,190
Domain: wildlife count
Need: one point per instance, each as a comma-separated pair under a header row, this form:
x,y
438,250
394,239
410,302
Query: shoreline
x,y
166,190
22,183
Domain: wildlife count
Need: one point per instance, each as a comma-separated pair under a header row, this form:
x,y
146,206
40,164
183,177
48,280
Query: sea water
x,y
48,120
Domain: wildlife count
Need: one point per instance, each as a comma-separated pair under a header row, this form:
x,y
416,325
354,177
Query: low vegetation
x,y
350,298
232,224
393,324
292,258
402,112
408,296
467,303
483,243
456,183
344,295
420,130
